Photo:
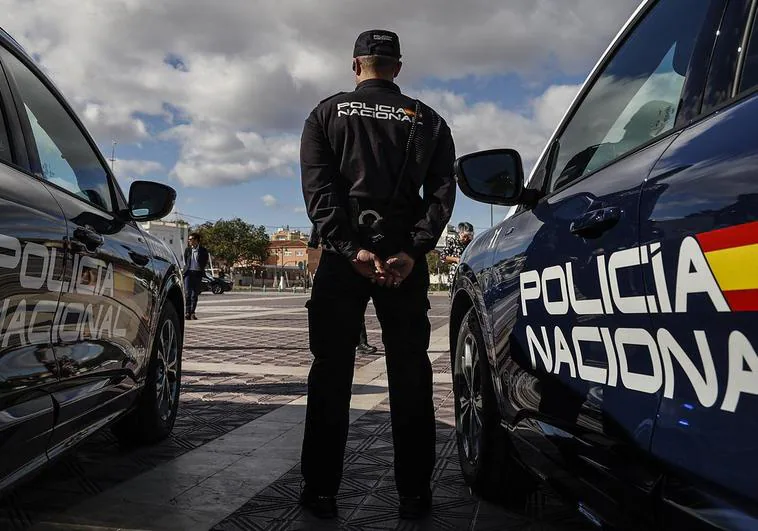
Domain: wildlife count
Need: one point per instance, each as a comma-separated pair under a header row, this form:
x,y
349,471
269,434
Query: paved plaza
x,y
232,462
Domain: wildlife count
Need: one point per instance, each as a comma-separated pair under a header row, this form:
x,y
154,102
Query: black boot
x,y
319,506
415,507
365,349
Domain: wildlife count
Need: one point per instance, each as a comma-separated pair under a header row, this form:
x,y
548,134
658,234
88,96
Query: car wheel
x,y
155,412
484,448
217,290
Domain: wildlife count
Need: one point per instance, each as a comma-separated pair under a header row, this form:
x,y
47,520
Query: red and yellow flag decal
x,y
732,254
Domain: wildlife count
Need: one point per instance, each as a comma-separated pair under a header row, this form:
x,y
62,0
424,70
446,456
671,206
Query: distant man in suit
x,y
195,262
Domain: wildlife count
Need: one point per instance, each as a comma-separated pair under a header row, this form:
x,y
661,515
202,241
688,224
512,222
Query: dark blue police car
x,y
91,307
610,322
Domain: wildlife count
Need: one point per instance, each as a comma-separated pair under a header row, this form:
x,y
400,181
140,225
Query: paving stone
x,y
218,470
368,499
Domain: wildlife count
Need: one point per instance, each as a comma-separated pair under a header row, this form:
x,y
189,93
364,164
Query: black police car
x,y
216,285
91,307
610,322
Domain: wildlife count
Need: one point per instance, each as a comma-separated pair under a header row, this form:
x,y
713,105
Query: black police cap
x,y
377,42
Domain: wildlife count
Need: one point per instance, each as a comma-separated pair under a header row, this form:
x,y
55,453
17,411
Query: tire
x,y
154,414
217,290
484,447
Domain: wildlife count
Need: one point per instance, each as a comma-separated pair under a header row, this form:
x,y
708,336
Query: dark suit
x,y
193,278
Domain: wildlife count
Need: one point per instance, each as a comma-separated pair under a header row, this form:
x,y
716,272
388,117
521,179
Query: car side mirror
x,y
149,200
495,176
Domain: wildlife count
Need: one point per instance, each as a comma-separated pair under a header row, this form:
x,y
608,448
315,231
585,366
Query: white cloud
x,y
212,155
110,121
135,167
250,72
270,201
485,125
129,170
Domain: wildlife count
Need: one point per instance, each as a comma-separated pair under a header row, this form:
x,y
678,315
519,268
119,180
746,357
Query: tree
x,y
206,234
433,261
232,241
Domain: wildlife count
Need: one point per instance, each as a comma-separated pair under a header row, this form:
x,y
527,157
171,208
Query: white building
x,y
447,233
171,233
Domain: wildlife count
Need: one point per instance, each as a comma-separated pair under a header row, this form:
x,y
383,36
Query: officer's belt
x,y
365,213
380,234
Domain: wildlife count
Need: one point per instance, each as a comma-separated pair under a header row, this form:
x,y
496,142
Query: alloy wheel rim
x,y
167,381
469,412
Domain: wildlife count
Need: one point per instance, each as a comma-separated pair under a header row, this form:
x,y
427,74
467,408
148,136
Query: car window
x,y
636,96
67,159
5,146
750,68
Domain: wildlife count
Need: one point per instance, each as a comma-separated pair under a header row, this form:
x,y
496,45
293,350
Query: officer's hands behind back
x,y
401,265
366,262
390,273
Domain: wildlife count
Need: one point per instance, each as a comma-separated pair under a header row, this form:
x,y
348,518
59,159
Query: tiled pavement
x,y
368,500
232,460
207,411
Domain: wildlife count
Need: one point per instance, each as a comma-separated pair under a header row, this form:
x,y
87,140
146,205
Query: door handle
x,y
88,236
139,259
594,223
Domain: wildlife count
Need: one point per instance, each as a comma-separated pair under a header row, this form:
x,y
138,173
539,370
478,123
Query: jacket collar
x,y
377,83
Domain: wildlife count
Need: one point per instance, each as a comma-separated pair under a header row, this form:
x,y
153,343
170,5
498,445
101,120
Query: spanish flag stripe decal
x,y
732,255
736,236
735,268
742,300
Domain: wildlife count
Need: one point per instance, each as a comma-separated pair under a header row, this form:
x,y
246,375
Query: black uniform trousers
x,y
335,313
192,283
363,338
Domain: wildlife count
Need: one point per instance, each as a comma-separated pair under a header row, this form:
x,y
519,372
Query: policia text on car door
x,y
622,295
32,257
102,338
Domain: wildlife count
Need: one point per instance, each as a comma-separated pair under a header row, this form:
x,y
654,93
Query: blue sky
x,y
210,97
245,200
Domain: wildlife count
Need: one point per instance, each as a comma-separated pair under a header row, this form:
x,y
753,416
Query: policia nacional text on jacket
x,y
353,149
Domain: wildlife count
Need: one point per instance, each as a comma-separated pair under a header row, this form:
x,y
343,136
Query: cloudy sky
x,y
209,96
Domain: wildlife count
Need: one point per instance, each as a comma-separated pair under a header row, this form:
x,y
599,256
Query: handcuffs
x,y
372,218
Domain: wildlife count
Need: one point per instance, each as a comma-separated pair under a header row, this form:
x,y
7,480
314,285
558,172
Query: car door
x,y
579,371
701,214
103,334
32,256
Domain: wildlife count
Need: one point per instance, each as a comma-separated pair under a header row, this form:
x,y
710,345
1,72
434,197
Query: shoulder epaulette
x,y
332,96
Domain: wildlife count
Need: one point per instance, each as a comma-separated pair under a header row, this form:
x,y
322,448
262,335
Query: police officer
x,y
377,177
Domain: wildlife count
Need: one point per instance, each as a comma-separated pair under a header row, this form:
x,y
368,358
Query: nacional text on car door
x,y
605,323
92,306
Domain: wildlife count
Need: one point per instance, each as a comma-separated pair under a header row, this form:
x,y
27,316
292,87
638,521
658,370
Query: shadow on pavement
x,y
100,463
368,500
280,389
244,347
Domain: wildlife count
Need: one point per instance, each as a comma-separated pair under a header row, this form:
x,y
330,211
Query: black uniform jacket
x,y
202,258
352,150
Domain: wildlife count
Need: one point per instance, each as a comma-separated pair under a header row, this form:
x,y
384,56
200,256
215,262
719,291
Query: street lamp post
x,y
113,157
281,278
